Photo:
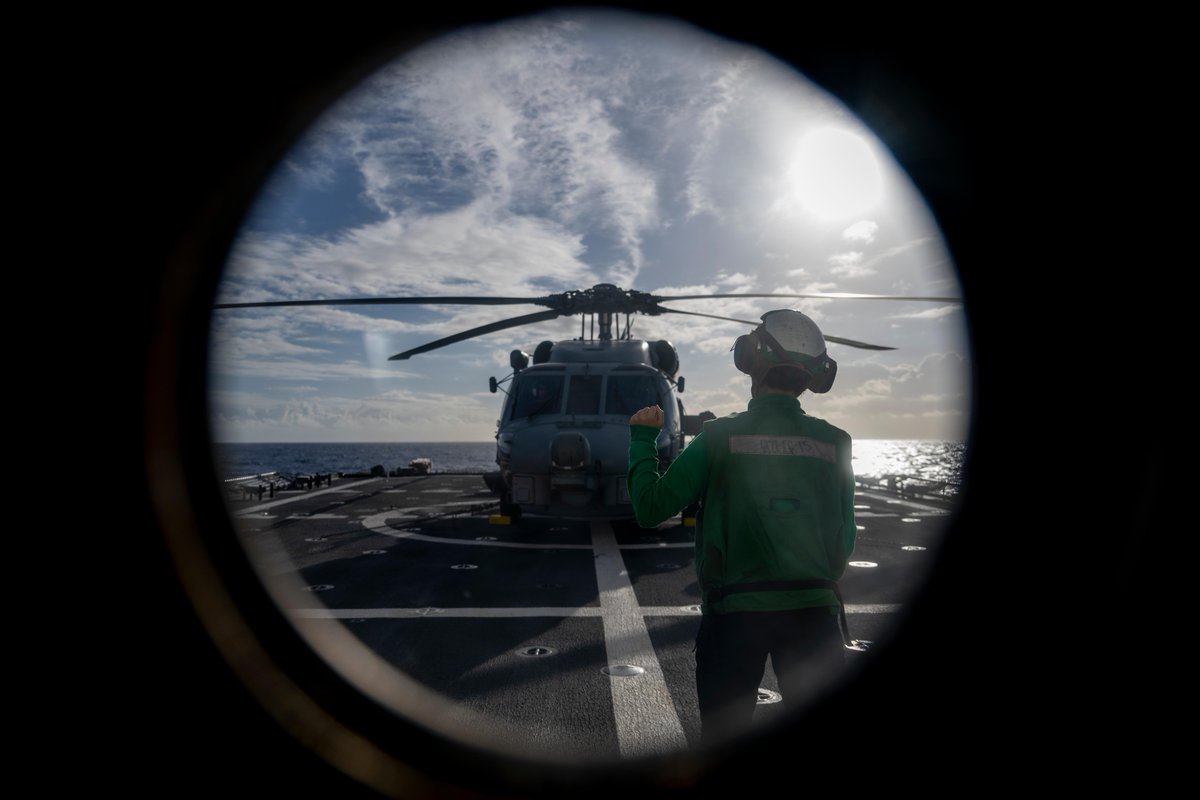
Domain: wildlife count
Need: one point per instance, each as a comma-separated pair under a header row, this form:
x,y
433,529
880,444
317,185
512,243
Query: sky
x,y
553,153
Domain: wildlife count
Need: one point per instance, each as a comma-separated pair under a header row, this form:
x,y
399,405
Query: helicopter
x,y
562,438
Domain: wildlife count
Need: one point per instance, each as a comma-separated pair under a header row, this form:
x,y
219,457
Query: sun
x,y
836,174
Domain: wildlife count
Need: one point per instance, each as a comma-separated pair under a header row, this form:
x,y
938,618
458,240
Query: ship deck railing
x,y
265,484
910,487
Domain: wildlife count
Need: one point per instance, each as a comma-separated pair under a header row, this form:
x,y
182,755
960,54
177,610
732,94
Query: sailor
x,y
775,529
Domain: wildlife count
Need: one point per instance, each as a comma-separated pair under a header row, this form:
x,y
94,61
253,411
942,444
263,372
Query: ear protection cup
x,y
821,369
744,352
823,372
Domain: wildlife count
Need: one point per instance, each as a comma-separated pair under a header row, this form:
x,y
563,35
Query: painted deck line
x,y
877,608
378,524
431,612
658,546
445,613
646,720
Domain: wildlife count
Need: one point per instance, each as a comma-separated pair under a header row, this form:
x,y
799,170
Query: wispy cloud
x,y
536,157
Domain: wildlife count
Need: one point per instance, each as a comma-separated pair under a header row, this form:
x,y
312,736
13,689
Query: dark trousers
x,y
806,650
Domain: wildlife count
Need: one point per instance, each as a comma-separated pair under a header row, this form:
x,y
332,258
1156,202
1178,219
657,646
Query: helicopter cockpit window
x,y
584,396
538,394
629,393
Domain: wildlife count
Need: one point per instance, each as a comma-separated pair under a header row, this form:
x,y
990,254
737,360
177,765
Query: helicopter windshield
x,y
629,393
584,395
537,394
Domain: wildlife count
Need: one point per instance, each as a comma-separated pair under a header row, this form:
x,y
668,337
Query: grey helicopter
x,y
562,438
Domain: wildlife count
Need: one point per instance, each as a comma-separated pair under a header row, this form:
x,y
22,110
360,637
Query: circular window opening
x,y
399,256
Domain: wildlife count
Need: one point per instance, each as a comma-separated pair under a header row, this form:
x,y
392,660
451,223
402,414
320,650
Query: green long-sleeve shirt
x,y
777,494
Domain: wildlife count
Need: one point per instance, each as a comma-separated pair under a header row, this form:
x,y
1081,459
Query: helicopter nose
x,y
570,450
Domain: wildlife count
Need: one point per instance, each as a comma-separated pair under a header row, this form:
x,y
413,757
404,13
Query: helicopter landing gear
x,y
508,508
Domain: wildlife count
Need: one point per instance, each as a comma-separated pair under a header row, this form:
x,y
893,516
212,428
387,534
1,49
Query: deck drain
x,y
912,547
320,587
535,652
623,671
465,566
766,697
866,564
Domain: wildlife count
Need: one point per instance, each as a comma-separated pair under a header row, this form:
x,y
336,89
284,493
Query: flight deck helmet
x,y
786,338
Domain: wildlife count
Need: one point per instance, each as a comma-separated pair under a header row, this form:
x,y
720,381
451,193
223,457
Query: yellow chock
x,y
499,519
689,522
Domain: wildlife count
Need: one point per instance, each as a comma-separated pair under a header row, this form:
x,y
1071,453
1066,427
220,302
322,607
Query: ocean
x,y
915,458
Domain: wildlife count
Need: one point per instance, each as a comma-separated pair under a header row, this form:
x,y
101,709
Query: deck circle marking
x,y
909,519
465,566
861,527
623,671
320,587
864,564
536,651
912,547
766,697
692,609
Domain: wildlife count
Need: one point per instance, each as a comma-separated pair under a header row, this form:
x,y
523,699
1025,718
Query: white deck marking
x,y
535,611
647,722
446,613
379,524
877,608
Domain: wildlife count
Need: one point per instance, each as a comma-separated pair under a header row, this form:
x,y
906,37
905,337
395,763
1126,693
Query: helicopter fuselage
x,y
562,442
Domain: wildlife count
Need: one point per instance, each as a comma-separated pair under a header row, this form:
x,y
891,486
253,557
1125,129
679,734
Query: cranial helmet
x,y
786,338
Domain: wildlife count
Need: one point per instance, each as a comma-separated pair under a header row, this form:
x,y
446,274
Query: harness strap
x,y
719,594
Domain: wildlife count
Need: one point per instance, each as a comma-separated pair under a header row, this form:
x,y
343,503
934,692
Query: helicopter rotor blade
x,y
836,339
503,324
710,316
853,343
391,301
811,295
